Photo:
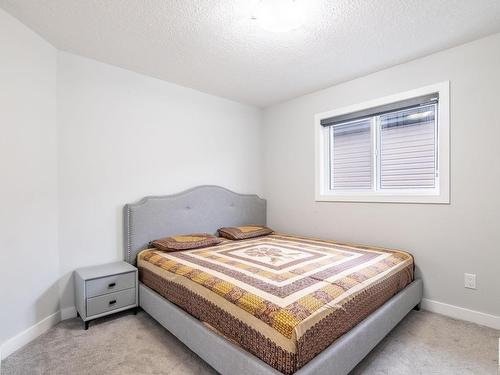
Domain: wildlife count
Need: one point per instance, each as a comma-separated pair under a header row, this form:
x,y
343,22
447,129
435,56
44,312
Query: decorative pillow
x,y
186,242
247,231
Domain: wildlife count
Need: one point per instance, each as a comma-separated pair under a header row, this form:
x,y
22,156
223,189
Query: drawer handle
x,y
112,302
111,285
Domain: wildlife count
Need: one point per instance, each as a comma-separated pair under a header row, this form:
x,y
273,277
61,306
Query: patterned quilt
x,y
282,298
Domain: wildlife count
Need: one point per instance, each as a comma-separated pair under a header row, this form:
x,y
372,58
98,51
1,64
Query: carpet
x,y
423,343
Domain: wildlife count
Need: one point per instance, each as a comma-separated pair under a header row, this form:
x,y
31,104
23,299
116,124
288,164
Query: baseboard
x,y
461,313
23,338
68,313
456,312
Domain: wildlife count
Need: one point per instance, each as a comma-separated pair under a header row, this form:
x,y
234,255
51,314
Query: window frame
x,y
439,195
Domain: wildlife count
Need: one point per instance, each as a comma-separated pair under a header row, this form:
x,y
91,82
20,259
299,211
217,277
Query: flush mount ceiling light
x,y
279,15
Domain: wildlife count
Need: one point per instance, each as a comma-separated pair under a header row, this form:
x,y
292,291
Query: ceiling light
x,y
280,15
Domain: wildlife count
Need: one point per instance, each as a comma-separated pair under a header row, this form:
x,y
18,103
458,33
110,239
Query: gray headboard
x,y
200,209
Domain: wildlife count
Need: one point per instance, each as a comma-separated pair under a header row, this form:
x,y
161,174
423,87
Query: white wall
x,y
81,138
28,179
124,136
447,240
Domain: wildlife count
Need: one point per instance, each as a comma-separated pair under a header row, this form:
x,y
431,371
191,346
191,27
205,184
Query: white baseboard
x,y
461,313
23,338
68,313
456,312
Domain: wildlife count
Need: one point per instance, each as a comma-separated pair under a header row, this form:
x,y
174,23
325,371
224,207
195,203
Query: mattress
x,y
282,298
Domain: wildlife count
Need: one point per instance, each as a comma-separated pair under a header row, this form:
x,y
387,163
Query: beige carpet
x,y
423,343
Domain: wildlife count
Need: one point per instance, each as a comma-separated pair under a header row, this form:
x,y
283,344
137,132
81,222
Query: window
x,y
393,149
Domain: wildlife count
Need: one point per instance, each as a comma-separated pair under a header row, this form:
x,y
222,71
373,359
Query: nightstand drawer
x,y
115,283
111,301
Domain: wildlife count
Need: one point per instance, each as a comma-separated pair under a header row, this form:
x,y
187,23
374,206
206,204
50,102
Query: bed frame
x,y
205,209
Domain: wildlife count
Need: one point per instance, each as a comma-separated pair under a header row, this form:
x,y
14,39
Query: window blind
x,y
351,156
408,149
380,110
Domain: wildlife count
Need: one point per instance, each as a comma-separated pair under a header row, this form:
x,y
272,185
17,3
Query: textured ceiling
x,y
214,46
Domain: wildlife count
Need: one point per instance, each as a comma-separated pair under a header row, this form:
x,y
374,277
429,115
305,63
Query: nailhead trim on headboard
x,y
129,245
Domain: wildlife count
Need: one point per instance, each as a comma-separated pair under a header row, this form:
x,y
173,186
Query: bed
x,y
268,305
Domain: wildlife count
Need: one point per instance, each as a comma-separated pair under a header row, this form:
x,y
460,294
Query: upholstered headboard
x,y
200,209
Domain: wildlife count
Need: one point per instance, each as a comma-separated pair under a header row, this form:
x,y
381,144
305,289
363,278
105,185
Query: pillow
x,y
247,231
186,242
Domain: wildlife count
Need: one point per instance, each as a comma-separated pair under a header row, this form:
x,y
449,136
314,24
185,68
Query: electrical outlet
x,y
470,280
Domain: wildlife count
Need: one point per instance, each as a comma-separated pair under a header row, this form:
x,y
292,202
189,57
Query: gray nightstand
x,y
105,289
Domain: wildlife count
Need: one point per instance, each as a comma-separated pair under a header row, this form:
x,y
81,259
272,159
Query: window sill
x,y
429,198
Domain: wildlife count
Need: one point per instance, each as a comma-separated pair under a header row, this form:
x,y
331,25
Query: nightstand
x,y
105,289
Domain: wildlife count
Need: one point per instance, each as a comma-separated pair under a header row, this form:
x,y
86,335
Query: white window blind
x,y
351,155
408,149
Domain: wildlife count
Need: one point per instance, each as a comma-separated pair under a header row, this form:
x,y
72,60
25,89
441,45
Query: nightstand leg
x,y
86,325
